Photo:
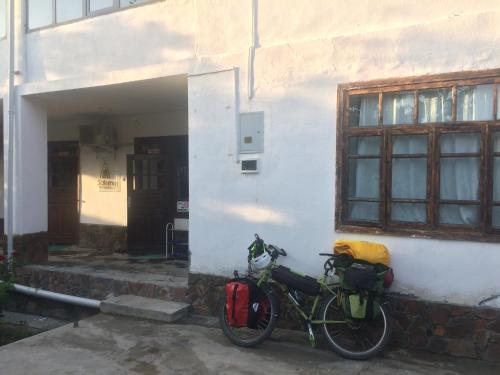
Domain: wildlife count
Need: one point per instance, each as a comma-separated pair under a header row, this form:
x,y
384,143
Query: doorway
x,y
63,169
157,180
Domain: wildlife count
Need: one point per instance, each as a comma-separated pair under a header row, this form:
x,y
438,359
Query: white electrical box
x,y
251,132
250,166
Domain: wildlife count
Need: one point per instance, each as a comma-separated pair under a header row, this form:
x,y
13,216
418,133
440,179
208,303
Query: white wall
x,y
305,50
110,208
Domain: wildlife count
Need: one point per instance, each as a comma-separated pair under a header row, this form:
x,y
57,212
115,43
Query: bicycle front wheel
x,y
266,321
356,339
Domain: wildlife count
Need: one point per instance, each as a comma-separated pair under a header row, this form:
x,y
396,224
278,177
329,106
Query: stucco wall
x,y
304,52
110,208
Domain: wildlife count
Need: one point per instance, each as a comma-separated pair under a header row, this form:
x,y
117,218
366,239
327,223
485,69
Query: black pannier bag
x,y
303,283
361,276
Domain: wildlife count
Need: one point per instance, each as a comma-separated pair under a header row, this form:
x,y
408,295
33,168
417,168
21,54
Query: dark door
x,y
148,191
63,192
157,180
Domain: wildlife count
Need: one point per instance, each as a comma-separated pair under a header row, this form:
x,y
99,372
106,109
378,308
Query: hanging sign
x,y
106,182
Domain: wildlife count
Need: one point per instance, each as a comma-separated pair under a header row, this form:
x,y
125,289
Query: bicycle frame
x,y
324,287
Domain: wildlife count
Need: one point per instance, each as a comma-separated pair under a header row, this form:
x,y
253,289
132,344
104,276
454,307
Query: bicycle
x,y
347,336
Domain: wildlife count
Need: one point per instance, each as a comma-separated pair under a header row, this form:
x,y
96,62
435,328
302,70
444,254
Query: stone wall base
x,y
461,331
103,237
29,248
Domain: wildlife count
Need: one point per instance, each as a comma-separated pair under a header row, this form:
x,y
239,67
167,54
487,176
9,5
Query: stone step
x,y
145,308
100,283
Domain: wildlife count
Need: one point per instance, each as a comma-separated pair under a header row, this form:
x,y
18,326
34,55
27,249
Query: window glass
x,y
67,10
498,102
364,145
459,178
97,5
409,178
459,143
363,110
39,13
496,142
434,106
364,178
409,212
398,108
475,103
368,211
3,18
127,3
496,217
458,214
496,179
409,144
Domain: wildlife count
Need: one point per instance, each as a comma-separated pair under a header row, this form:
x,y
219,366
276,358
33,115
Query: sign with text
x,y
106,182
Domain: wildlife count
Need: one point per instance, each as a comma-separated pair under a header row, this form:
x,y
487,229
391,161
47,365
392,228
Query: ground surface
x,y
110,345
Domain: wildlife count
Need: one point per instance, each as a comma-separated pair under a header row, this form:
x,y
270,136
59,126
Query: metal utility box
x,y
251,132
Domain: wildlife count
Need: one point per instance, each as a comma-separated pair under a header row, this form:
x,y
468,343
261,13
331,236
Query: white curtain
x,y
398,108
409,178
459,179
364,175
434,106
475,103
368,111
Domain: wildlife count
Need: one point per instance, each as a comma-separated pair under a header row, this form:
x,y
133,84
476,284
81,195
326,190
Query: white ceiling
x,y
148,96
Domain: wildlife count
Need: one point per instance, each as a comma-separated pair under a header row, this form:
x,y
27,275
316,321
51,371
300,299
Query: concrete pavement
x,y
109,345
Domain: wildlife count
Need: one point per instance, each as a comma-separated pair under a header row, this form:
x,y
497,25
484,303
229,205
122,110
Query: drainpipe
x,y
251,50
80,301
10,144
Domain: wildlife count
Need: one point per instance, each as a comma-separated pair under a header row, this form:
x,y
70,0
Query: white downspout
x,y
11,122
251,51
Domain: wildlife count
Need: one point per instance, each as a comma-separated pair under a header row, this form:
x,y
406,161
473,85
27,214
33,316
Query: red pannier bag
x,y
242,303
237,301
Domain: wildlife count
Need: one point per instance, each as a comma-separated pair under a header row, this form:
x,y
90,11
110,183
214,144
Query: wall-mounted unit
x,y
250,166
251,132
101,136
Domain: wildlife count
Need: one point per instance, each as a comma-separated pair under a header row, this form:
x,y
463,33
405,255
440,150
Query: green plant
x,y
7,276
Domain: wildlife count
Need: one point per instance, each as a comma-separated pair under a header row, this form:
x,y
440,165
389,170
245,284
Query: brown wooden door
x,y
63,192
157,180
147,203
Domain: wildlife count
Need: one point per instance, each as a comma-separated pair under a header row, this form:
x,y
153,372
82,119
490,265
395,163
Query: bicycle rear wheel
x,y
266,321
358,339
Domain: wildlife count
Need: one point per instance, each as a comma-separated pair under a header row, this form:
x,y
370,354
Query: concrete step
x,y
145,308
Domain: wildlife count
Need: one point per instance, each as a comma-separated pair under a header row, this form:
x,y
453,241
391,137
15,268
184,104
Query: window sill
x,y
439,234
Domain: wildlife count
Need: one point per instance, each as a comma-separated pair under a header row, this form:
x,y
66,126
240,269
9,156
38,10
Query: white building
x,y
371,120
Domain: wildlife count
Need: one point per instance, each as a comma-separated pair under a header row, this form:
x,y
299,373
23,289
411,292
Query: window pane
x,y
67,10
127,3
459,178
364,178
39,13
368,211
364,145
496,142
498,102
409,178
363,110
398,108
459,143
95,5
434,106
409,144
496,217
3,18
458,214
409,212
496,179
475,103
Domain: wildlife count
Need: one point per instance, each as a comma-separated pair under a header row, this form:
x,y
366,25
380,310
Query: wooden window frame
x,y
432,228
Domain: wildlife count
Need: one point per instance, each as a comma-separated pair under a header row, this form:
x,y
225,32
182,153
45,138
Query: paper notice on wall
x,y
182,206
106,181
